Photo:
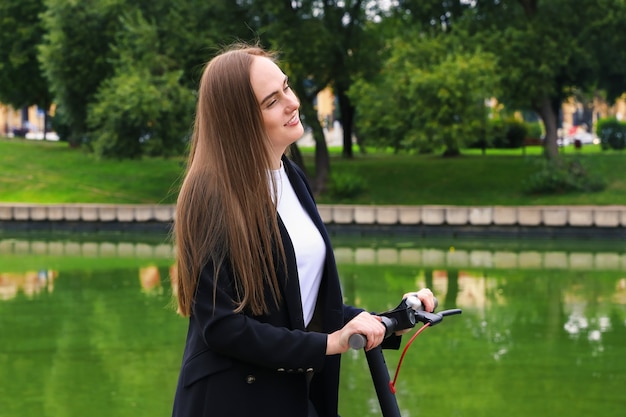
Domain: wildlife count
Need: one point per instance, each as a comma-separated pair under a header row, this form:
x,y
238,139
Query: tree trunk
x,y
453,288
347,119
322,159
45,124
549,116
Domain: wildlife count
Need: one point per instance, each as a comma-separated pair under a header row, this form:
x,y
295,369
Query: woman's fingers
x,y
426,296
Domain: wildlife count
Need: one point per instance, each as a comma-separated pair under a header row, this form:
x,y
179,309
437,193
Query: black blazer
x,y
242,365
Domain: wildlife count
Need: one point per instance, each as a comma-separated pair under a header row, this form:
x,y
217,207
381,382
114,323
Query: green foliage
x,y
534,130
612,133
515,131
429,94
345,186
75,55
147,55
542,50
143,108
137,113
564,176
546,49
22,82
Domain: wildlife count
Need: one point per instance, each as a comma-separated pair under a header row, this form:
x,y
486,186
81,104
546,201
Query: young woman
x,y
256,272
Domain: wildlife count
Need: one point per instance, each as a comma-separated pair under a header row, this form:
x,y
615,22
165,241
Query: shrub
x,y
612,133
534,130
507,133
346,186
558,177
516,132
137,113
497,131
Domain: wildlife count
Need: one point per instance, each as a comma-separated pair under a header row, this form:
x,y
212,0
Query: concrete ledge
x,y
387,215
480,216
457,215
55,213
38,213
72,213
528,216
107,214
326,213
433,215
409,215
580,217
21,213
164,213
89,213
6,212
607,217
344,214
364,214
555,216
505,216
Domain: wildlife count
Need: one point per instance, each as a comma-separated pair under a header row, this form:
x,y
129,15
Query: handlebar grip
x,y
357,341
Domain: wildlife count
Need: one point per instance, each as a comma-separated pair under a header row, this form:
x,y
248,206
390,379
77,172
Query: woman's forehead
x,y
265,77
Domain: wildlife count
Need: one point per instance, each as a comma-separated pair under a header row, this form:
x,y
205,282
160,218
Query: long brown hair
x,y
225,215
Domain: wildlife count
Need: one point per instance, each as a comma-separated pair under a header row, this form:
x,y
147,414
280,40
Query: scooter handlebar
x,y
358,341
403,317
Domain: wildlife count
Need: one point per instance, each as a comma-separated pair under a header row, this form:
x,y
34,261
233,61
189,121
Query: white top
x,y
306,240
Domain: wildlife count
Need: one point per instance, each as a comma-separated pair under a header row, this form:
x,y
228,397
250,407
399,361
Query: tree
x,y
144,107
76,57
122,72
22,82
430,93
329,49
303,54
547,50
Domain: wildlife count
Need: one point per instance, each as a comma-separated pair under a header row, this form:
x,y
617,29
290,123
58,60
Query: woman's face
x,y
279,105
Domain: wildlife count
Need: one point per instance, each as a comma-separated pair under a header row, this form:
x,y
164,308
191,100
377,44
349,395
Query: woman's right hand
x,y
364,323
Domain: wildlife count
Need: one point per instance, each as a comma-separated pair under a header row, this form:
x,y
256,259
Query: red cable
x,y
392,385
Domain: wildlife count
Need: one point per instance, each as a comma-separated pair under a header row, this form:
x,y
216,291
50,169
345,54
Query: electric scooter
x,y
405,316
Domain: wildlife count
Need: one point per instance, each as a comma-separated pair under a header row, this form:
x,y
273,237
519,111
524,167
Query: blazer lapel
x,y
291,292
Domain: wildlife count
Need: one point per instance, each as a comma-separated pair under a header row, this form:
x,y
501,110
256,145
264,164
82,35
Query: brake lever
x,y
434,318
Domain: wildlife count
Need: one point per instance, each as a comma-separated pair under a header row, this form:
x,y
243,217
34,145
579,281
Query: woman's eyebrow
x,y
273,93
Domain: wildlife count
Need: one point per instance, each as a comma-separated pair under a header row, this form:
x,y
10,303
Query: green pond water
x,y
87,326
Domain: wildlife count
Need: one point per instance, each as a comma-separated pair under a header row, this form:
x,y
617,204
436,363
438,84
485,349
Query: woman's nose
x,y
293,103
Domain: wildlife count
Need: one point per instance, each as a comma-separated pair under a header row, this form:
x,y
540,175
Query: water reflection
x,y
90,323
30,283
150,280
86,248
423,256
484,259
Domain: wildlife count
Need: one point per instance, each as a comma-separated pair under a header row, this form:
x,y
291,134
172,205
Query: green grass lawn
x,y
52,172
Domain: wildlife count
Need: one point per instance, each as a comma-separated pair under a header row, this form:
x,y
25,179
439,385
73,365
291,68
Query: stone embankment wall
x,y
107,217
550,216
